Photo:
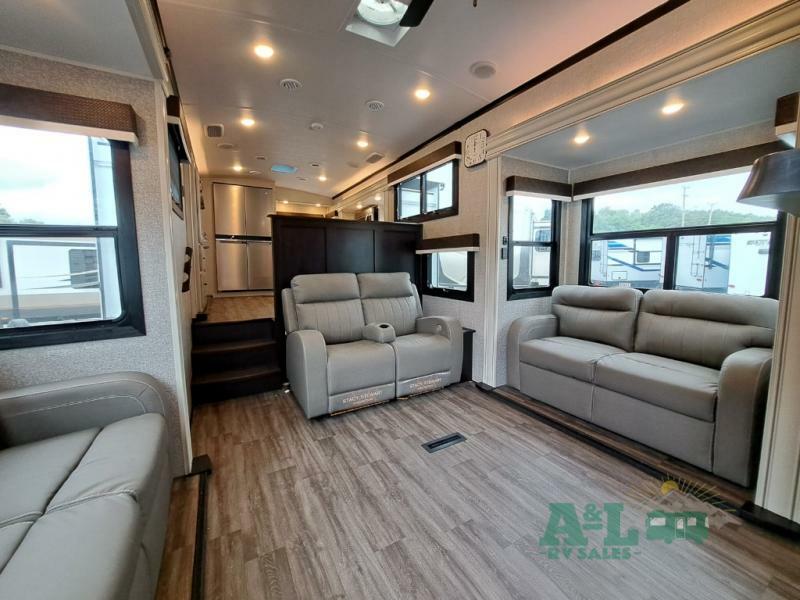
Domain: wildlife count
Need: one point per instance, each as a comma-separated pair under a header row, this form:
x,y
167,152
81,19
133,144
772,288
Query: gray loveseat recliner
x,y
683,372
84,489
359,340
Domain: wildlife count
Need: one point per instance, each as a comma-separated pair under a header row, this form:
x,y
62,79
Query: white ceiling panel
x,y
221,80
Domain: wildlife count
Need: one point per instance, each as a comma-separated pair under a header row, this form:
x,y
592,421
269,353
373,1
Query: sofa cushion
x,y
359,365
11,536
87,550
32,473
390,298
421,354
605,315
565,355
338,322
324,287
701,327
126,457
678,386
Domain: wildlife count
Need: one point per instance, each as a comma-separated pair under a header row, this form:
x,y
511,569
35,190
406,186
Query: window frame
x,y
467,295
672,234
554,245
131,322
422,216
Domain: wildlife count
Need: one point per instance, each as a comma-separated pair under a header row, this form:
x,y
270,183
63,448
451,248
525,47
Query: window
x,y
533,246
68,259
686,236
450,274
439,199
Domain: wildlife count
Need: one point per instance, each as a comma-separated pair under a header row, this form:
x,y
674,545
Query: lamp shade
x,y
774,182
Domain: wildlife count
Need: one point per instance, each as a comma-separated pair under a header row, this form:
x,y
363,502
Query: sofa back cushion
x,y
390,298
703,328
329,303
605,315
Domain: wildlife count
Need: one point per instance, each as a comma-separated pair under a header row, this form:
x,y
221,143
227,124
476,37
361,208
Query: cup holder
x,y
384,326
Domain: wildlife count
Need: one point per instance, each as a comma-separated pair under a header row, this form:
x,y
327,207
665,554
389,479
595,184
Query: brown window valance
x,y
530,185
443,154
28,107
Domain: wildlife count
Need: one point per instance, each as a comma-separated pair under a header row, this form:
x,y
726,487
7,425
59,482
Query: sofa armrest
x,y
741,403
523,330
44,411
449,327
307,368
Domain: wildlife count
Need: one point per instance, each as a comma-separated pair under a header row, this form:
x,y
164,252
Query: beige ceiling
x,y
221,80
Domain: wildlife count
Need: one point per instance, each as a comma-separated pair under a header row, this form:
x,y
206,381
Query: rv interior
x,y
399,299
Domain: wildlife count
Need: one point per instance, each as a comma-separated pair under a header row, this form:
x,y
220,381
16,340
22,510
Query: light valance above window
x,y
65,113
554,190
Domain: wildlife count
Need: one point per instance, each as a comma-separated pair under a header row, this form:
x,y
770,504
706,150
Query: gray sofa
x,y
84,489
359,340
683,372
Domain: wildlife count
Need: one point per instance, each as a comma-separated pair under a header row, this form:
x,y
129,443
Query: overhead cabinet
x,y
243,237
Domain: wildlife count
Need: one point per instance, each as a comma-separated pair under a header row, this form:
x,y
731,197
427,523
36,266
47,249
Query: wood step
x,y
228,356
210,387
235,346
205,333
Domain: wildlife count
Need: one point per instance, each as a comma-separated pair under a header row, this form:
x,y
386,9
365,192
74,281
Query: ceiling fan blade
x,y
415,13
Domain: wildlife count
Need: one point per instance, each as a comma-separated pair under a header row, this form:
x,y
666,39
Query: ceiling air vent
x,y
215,131
291,84
374,105
374,157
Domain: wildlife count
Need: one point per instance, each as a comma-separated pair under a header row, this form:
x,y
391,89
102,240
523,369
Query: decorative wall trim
x,y
765,31
492,279
550,189
52,110
470,242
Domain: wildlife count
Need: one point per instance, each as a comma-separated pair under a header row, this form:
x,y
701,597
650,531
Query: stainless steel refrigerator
x,y
243,237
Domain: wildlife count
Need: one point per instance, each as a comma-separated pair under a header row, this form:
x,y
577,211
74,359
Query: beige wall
x,y
158,352
687,25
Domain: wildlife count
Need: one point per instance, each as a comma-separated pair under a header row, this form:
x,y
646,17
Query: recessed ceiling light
x,y
247,122
581,138
378,197
362,143
237,168
672,107
318,204
286,202
358,205
322,178
422,93
264,51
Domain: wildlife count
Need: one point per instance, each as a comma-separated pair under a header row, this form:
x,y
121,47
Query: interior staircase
x,y
233,359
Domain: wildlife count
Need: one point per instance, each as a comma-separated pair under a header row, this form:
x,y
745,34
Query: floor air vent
x,y
443,442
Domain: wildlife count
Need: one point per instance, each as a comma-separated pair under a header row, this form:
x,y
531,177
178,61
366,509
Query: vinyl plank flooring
x,y
352,507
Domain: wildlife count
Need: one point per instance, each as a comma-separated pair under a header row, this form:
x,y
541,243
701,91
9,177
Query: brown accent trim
x,y
565,64
53,107
684,168
466,240
427,160
515,183
786,109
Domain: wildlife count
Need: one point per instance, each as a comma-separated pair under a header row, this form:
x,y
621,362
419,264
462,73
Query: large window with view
x,y
429,195
450,274
533,246
690,235
68,260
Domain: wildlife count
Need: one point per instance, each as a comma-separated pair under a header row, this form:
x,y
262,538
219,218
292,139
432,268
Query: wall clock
x,y
475,148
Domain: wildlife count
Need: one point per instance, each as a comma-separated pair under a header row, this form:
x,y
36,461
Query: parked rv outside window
x,y
63,239
450,274
439,200
689,235
533,224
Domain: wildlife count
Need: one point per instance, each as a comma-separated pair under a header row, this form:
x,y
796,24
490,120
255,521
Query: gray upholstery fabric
x,y
523,330
565,393
338,322
289,311
420,354
361,398
43,411
359,365
382,333
324,287
678,386
678,435
743,384
605,315
390,298
450,328
703,328
79,510
565,355
306,367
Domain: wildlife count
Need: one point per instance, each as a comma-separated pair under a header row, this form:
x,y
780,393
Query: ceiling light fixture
x,y
322,178
286,202
263,51
672,107
378,197
318,205
358,205
237,168
381,13
248,122
422,93
581,138
362,143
